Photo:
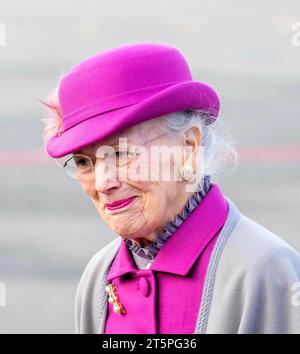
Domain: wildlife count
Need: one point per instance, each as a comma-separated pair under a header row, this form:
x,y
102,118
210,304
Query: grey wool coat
x,y
252,283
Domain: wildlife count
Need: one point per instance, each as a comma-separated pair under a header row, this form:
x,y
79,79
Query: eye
x,y
81,161
125,157
122,154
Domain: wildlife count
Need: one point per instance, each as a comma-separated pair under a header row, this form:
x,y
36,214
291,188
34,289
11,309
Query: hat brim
x,y
179,97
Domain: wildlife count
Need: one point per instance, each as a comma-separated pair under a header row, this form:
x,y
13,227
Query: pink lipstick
x,y
120,203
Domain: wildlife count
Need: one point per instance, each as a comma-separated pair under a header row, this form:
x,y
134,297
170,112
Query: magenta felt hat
x,y
123,86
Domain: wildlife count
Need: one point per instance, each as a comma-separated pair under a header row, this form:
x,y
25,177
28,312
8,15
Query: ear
x,y
192,142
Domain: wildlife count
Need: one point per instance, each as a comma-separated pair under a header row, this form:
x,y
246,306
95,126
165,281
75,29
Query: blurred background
x,y
248,51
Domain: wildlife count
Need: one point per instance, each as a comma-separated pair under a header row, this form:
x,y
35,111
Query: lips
x,y
120,203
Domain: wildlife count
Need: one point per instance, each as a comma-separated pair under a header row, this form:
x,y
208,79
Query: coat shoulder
x,y
255,283
253,246
105,251
105,254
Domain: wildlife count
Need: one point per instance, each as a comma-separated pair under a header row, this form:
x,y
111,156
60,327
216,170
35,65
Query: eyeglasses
x,y
81,167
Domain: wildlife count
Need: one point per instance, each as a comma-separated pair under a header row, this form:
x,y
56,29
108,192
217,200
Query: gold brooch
x,y
113,299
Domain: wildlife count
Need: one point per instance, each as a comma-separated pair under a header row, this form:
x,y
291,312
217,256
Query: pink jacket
x,y
165,298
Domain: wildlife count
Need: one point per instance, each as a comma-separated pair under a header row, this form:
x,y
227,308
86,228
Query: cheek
x,y
103,215
154,197
166,168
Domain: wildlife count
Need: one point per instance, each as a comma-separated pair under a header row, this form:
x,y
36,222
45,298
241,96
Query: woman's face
x,y
156,201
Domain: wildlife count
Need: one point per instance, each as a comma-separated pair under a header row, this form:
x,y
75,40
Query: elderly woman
x,y
185,259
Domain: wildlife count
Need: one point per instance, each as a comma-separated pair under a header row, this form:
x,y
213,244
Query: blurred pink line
x,y
17,158
269,153
266,153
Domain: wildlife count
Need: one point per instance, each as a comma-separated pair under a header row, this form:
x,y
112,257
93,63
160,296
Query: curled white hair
x,y
216,139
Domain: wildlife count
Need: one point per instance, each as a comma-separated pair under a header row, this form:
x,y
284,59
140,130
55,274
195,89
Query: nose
x,y
105,177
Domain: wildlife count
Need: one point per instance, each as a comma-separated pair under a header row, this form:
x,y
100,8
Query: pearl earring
x,y
187,172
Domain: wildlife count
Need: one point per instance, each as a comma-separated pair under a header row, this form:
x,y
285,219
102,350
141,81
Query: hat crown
x,y
124,86
119,77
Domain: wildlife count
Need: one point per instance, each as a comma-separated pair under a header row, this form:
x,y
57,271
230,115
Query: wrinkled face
x,y
152,201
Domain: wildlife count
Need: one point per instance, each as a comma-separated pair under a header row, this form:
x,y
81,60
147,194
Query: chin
x,y
125,230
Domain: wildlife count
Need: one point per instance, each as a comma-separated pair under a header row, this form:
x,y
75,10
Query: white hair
x,y
216,139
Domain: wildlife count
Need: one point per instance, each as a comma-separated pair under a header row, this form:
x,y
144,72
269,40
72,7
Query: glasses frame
x,y
64,164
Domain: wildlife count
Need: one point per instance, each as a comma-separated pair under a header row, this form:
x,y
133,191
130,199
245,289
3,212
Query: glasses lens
x,y
78,166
